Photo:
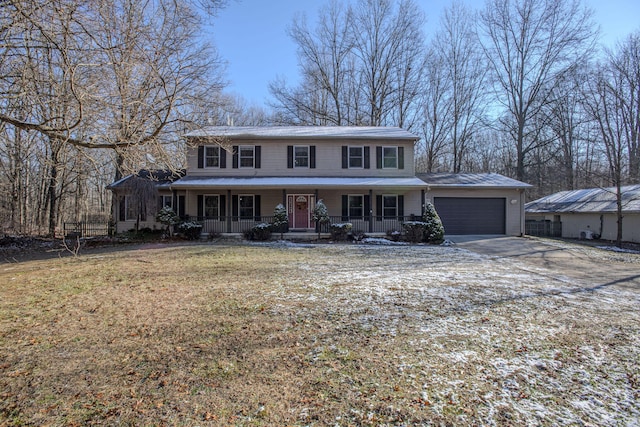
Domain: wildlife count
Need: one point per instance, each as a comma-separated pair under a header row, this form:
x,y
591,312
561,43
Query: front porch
x,y
371,225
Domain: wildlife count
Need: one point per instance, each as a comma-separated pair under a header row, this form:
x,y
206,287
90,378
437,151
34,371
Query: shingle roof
x,y
473,180
591,200
304,132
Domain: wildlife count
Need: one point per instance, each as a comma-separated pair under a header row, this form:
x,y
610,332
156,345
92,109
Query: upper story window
x,y
301,156
212,157
356,157
389,157
246,155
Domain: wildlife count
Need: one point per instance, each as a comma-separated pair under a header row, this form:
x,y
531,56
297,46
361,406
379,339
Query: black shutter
x,y
367,158
345,157
200,156
312,157
160,204
222,207
400,207
181,203
289,156
345,207
400,157
234,207
379,207
123,208
258,156
367,206
223,158
379,157
235,157
200,206
256,207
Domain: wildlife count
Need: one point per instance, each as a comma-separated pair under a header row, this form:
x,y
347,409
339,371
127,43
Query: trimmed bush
x,y
340,231
414,231
191,230
259,232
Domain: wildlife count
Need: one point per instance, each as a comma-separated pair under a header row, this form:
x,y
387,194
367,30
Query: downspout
x,y
522,214
229,210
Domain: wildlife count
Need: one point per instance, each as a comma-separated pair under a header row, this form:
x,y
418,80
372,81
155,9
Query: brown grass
x,y
319,335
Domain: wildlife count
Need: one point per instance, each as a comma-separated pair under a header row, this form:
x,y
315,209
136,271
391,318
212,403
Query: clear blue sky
x,y
251,36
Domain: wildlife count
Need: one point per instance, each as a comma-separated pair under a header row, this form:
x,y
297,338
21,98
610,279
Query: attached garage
x,y
477,203
472,215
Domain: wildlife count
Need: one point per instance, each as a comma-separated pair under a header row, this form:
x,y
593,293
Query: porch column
x,y
174,203
229,210
371,201
315,192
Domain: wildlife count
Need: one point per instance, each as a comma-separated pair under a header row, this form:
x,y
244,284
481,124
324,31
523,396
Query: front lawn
x,y
281,334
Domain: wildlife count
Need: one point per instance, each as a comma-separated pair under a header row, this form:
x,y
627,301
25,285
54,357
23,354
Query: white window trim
x,y
395,196
206,148
164,203
295,165
253,156
383,157
127,201
349,156
349,196
253,206
204,205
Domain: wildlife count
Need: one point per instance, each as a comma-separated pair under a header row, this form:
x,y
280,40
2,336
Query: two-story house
x,y
236,176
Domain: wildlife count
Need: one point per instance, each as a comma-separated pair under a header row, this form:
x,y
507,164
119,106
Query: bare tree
x,y
107,74
612,102
528,43
625,64
362,65
437,113
456,43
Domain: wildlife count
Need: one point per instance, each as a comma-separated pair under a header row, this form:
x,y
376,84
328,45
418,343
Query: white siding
x,y
328,160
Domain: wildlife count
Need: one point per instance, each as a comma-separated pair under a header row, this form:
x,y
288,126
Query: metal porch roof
x,y
470,180
590,200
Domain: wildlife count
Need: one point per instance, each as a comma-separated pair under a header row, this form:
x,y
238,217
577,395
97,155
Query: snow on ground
x,y
515,330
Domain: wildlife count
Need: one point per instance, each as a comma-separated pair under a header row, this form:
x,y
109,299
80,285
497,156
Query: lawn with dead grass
x,y
277,334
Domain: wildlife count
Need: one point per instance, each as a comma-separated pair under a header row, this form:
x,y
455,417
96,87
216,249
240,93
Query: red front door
x,y
299,208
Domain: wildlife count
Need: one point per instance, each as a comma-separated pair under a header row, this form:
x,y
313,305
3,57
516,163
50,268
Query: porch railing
x,y
375,224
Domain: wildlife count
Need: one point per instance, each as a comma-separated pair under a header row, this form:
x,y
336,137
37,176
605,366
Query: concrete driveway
x,y
591,266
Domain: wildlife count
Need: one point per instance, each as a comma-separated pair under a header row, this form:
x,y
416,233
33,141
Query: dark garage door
x,y
473,215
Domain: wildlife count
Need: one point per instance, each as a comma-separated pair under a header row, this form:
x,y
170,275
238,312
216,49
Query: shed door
x,y
471,215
